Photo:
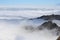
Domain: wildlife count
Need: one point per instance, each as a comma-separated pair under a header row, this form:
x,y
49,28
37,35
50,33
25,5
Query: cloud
x,y
27,10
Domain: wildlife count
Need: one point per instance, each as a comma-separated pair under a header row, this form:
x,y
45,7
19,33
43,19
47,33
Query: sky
x,y
30,2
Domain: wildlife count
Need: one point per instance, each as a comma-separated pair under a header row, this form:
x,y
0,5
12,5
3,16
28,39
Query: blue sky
x,y
30,2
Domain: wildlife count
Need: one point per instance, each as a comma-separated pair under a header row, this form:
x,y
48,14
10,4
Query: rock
x,y
58,38
48,25
49,17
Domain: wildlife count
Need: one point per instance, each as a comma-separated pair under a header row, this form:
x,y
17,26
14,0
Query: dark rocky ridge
x,y
50,26
48,17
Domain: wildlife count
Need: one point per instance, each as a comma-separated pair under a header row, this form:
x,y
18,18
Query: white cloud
x,y
44,10
10,31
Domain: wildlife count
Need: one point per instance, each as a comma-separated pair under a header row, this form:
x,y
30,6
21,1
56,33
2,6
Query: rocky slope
x,y
50,26
49,17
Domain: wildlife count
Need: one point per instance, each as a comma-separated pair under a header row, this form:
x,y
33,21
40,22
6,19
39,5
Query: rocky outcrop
x,y
58,38
48,25
49,17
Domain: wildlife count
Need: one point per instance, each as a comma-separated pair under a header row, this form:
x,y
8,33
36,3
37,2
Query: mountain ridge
x,y
49,17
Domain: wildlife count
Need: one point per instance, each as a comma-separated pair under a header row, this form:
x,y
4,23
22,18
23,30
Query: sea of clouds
x,y
13,23
17,31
